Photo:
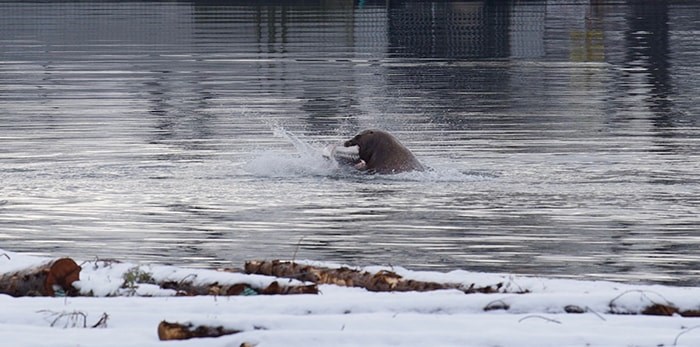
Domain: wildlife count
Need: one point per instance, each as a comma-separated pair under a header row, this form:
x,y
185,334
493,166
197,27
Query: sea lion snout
x,y
351,142
357,140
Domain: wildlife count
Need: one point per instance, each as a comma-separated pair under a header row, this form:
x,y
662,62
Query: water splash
x,y
307,159
301,146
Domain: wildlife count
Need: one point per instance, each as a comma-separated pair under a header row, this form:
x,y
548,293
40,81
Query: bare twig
x,y
73,318
294,256
589,309
540,317
102,323
182,281
675,341
107,262
642,292
6,256
511,281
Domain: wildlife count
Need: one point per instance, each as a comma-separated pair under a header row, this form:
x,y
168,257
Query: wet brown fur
x,y
383,153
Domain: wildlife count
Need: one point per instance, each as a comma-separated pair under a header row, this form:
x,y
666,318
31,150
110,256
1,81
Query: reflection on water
x,y
562,136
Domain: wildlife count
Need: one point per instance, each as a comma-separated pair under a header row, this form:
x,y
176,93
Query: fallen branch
x,y
178,331
52,278
56,278
574,309
668,310
497,304
189,286
382,281
190,289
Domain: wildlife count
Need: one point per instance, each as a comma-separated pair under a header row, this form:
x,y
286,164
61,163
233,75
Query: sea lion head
x,y
366,139
381,152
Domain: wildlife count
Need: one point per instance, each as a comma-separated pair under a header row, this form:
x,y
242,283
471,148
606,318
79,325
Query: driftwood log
x,y
382,281
178,331
47,279
56,277
668,310
189,289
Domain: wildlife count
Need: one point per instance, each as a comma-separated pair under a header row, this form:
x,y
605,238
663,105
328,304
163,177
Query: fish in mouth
x,y
344,155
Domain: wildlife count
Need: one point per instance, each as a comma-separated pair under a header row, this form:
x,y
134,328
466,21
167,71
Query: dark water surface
x,y
563,136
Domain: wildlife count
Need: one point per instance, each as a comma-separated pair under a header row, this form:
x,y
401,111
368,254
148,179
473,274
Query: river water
x,y
563,136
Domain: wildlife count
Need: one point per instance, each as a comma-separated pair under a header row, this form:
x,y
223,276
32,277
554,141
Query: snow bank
x,y
342,316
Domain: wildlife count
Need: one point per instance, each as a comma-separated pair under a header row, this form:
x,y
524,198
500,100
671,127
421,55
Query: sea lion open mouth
x,y
347,155
350,154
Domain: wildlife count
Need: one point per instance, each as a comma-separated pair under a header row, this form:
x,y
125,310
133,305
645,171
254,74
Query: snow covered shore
x,y
341,316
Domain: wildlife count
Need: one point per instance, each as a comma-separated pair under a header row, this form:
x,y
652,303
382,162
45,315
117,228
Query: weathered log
x,y
382,281
177,331
690,313
48,279
189,289
275,288
668,310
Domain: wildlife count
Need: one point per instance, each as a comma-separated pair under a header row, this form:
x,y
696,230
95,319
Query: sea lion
x,y
382,153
